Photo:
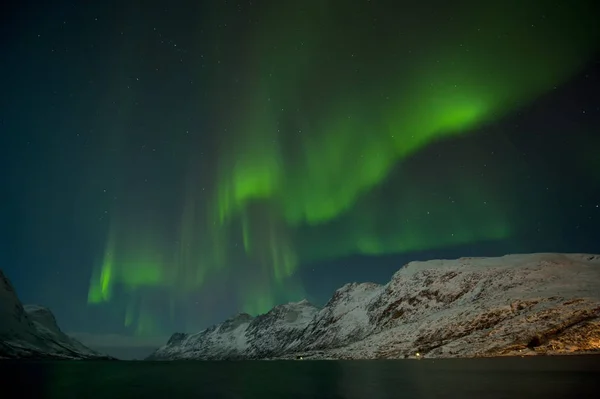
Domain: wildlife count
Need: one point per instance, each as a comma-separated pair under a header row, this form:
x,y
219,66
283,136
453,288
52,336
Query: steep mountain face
x,y
271,334
31,331
243,336
511,305
223,341
343,320
13,318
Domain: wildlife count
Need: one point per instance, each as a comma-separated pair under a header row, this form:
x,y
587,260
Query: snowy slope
x,y
271,334
31,331
343,320
243,336
510,305
515,304
222,341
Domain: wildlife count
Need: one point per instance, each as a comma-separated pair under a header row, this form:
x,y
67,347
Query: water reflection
x,y
549,377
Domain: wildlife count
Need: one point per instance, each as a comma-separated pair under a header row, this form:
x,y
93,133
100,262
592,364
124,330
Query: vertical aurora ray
x,y
132,263
102,275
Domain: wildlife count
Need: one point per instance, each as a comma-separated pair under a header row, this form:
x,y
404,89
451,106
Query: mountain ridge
x,y
523,304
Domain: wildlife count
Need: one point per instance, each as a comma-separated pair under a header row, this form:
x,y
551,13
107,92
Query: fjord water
x,y
528,377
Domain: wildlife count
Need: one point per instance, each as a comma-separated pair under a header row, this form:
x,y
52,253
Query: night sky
x,y
169,164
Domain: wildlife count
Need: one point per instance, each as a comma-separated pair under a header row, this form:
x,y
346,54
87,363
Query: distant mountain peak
x,y
242,316
176,338
303,302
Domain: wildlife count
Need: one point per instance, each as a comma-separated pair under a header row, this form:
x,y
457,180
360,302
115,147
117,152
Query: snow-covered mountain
x,y
31,331
344,318
512,305
243,336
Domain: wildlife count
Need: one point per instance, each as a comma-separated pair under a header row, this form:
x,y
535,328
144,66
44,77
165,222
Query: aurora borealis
x,y
182,162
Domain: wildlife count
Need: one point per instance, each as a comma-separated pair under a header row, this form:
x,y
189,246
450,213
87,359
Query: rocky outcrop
x,y
469,307
31,331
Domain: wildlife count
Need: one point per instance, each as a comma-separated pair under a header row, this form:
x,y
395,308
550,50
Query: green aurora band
x,y
329,111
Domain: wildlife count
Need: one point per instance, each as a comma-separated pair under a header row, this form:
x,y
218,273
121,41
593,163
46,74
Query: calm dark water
x,y
540,377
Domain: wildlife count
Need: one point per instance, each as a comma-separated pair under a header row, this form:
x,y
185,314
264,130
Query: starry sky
x,y
169,164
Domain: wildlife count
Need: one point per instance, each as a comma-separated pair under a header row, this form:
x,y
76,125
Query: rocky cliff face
x,y
31,331
468,307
